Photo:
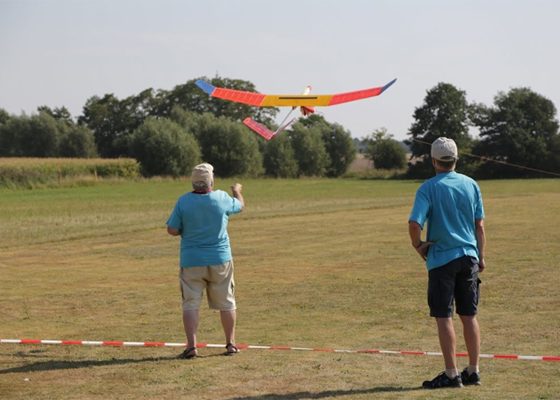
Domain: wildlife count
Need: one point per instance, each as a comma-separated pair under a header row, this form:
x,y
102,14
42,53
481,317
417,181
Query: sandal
x,y
231,349
188,354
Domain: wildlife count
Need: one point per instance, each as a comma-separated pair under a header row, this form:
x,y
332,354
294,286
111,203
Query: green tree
x,y
190,97
37,135
162,147
445,112
191,121
553,159
77,141
7,137
113,121
279,158
338,144
384,151
42,137
520,128
4,116
9,129
309,150
340,149
227,145
104,116
59,113
73,140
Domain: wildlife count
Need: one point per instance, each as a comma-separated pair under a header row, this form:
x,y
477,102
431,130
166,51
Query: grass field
x,y
319,263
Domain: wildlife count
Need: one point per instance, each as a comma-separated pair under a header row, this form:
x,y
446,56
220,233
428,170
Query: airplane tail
x,y
258,128
262,130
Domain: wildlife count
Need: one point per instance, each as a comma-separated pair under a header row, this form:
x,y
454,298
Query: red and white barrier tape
x,y
256,347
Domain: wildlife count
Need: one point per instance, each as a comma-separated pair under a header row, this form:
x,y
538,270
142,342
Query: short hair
x,y
446,164
201,186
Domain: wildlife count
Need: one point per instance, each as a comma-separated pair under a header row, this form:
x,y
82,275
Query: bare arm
x,y
481,242
415,233
236,192
173,231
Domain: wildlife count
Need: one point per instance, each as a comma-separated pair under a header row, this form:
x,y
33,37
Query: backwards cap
x,y
203,173
444,149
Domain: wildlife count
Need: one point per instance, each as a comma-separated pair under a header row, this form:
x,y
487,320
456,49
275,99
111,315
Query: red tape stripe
x,y
247,346
507,356
154,344
112,343
280,348
369,351
30,341
324,350
413,353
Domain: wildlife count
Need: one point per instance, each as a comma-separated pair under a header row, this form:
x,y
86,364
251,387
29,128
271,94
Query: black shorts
x,y
457,280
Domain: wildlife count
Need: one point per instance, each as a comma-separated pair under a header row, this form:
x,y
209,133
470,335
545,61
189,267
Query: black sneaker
x,y
472,379
443,381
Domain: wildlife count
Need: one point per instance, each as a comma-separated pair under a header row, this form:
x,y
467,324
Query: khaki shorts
x,y
218,282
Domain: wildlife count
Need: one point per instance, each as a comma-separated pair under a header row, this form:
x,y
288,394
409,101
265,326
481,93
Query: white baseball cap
x,y
203,173
444,149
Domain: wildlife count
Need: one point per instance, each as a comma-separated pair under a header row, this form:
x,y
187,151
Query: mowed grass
x,y
319,263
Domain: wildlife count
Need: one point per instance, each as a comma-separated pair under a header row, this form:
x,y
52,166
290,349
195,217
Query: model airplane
x,y
304,101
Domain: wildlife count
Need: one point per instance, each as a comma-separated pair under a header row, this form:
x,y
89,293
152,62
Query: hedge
x,y
34,172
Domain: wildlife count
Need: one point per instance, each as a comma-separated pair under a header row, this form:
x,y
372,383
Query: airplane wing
x,y
289,100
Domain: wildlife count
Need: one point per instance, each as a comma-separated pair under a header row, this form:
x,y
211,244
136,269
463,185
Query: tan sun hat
x,y
444,149
203,173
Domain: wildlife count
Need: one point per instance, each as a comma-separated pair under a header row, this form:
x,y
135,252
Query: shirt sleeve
x,y
175,221
234,207
479,207
421,208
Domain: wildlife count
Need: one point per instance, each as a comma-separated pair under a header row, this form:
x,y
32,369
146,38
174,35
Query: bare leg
x,y
228,323
447,342
190,323
471,331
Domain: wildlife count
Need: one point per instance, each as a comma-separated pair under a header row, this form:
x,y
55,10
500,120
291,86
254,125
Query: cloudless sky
x,y
61,52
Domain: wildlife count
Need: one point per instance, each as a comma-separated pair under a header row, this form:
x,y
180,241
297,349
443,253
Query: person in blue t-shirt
x,y
201,218
451,204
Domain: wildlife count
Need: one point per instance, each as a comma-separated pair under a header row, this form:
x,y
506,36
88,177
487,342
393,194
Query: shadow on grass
x,y
327,393
53,365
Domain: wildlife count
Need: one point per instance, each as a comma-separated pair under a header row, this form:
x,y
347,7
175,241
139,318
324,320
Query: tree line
x,y
169,132
517,136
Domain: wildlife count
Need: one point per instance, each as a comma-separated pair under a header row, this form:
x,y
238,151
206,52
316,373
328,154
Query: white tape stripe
x,y
302,348
261,347
166,344
213,346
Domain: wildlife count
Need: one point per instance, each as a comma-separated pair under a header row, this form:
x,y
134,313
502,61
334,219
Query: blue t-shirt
x,y
450,202
202,219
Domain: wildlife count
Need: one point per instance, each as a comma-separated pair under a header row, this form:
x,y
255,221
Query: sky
x,y
62,52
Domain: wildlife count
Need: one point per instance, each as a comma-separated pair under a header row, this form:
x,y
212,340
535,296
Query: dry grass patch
x,y
319,263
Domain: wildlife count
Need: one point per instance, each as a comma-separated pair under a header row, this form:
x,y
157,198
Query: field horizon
x,y
320,263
